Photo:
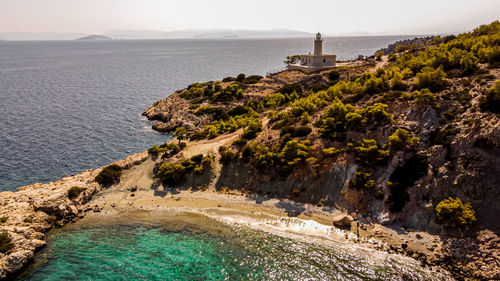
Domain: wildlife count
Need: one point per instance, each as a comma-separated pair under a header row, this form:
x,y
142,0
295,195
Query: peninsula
x,y
399,153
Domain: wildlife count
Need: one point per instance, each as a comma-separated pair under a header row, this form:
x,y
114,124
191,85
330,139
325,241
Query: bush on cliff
x,y
299,131
401,140
362,179
454,213
425,98
109,175
5,243
491,101
171,173
290,88
74,191
368,153
170,149
432,79
252,79
334,75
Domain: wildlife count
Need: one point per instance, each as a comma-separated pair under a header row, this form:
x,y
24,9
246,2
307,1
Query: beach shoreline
x,y
48,206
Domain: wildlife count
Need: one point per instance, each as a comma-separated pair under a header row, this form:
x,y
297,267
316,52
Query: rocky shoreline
x,y
49,206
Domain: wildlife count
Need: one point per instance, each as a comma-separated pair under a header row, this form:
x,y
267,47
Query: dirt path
x,y
380,64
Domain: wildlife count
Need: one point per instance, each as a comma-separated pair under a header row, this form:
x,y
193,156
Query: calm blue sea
x,y
67,106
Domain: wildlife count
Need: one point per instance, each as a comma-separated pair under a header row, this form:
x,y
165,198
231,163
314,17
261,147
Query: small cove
x,y
188,246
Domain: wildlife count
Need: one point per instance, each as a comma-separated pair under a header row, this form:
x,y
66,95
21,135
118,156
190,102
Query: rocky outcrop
x,y
343,221
173,112
34,209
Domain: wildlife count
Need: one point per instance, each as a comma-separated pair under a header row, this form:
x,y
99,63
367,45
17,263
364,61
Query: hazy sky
x,y
327,16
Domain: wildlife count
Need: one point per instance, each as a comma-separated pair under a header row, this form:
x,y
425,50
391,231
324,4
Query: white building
x,y
316,61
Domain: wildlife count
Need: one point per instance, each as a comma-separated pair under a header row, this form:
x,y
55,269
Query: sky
x,y
327,16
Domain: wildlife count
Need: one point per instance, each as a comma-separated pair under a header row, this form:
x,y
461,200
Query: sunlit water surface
x,y
198,248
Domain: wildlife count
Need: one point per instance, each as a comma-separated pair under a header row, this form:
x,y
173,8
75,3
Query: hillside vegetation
x,y
416,142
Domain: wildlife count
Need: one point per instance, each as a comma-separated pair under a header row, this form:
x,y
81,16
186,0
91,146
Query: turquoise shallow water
x,y
206,251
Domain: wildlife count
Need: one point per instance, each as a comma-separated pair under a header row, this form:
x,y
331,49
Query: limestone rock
x,y
343,221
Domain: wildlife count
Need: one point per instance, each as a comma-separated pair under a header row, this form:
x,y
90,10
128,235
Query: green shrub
x,y
5,243
392,57
229,79
171,173
401,140
227,156
491,101
109,175
377,113
206,162
425,97
362,179
199,170
402,178
28,220
299,131
432,79
247,152
180,133
290,88
229,93
355,121
368,153
240,141
318,87
305,119
397,83
374,85
188,164
170,149
378,55
192,93
291,59
252,79
197,158
3,219
240,77
237,110
452,212
331,151
252,130
74,191
334,75
294,152
217,112
275,100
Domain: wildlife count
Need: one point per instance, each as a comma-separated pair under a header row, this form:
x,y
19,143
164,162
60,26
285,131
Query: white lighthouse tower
x,y
318,45
316,61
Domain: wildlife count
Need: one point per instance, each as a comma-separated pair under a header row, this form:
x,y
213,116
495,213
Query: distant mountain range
x,y
157,34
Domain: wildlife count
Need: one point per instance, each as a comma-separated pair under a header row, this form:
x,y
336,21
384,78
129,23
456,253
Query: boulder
x,y
343,221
